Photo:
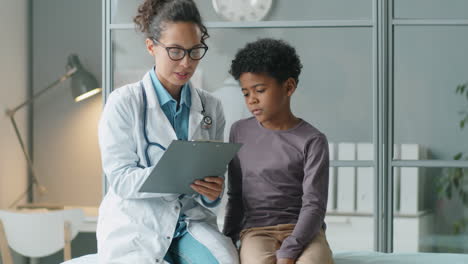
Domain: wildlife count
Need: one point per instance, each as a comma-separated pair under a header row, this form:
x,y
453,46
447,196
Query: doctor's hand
x,y
210,187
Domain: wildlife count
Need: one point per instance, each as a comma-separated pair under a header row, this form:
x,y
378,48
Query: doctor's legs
x,y
187,250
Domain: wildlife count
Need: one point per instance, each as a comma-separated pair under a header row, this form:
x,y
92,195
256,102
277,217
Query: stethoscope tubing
x,y
145,134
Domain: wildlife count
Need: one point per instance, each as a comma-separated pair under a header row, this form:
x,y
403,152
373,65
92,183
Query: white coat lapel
x,y
158,128
195,115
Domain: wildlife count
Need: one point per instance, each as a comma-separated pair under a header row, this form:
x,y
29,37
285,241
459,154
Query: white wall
x,y
65,143
13,89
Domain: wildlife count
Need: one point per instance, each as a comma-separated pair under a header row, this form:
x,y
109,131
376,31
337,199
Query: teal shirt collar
x,y
163,95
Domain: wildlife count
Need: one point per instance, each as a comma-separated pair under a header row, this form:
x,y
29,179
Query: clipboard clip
x,y
206,140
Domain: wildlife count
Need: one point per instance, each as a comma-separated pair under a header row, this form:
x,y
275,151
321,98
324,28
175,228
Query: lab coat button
x,y
176,207
168,237
157,260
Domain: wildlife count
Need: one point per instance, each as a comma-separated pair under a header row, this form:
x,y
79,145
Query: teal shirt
x,y
178,115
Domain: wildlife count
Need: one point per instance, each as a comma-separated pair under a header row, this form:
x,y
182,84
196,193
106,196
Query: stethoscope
x,y
206,123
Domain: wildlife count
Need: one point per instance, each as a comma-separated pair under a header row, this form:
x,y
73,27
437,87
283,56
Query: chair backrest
x,y
39,234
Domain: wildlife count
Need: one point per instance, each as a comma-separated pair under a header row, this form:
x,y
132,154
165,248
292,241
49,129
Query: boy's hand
x,y
210,187
285,261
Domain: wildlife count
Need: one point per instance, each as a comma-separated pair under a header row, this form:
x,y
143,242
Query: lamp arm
x,y
11,115
11,112
28,160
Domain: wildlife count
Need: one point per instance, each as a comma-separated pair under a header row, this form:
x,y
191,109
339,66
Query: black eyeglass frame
x,y
186,51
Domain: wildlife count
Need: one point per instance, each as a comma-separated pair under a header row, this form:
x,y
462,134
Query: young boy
x,y
278,182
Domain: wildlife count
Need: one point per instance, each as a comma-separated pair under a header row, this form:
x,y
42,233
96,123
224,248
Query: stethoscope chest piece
x,y
207,122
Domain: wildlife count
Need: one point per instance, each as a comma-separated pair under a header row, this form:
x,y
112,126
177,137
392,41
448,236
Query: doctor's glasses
x,y
178,53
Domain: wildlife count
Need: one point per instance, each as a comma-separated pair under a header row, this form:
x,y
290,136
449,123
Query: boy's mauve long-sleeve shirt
x,y
278,177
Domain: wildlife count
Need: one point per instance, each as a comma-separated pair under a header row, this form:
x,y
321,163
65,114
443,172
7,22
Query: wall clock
x,y
242,10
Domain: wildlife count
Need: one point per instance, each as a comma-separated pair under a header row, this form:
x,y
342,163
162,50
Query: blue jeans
x,y
187,250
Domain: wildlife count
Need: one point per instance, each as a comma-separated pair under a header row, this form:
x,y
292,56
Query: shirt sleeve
x,y
314,199
234,208
209,203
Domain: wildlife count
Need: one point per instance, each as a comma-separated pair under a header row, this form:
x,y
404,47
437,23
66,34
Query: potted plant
x,y
455,181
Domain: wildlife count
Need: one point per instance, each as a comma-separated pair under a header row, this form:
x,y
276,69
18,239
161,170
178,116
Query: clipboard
x,y
186,161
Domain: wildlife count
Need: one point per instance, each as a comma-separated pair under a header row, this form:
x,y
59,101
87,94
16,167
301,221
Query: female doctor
x,y
138,123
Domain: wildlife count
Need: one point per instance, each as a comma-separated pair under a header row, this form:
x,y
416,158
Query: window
x,y
370,80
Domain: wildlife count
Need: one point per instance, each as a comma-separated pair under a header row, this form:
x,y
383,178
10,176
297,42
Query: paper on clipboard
x,y
186,161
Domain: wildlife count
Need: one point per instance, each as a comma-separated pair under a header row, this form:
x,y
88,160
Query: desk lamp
x,y
83,85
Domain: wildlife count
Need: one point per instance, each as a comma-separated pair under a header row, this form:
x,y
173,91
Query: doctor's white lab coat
x,y
134,227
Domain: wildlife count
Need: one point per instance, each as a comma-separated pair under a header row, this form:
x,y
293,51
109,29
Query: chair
x,y
38,234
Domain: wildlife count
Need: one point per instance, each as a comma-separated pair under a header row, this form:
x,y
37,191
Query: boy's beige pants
x,y
259,246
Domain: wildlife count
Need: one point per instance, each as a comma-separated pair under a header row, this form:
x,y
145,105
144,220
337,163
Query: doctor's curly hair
x,y
153,14
274,57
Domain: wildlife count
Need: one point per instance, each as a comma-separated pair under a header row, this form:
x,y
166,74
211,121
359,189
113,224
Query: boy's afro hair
x,y
273,57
